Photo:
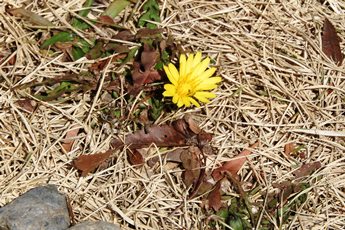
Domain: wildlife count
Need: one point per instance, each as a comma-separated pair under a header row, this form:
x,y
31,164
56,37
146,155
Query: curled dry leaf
x,y
234,165
88,163
148,60
135,157
289,148
192,164
307,169
27,105
331,42
176,134
69,139
214,197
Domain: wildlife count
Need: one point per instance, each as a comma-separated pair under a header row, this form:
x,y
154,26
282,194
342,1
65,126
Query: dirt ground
x,y
278,88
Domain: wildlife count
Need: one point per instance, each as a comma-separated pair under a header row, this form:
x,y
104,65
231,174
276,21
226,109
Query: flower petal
x,y
197,60
202,96
180,102
174,72
194,102
208,84
208,73
186,101
175,98
189,62
183,63
201,67
170,90
170,76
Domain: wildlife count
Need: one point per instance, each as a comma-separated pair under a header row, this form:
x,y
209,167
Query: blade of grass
x,y
59,37
79,23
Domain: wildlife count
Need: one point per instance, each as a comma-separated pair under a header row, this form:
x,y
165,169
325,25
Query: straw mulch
x,y
278,88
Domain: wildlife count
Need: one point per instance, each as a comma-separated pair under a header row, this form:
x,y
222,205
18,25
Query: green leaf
x,y
79,23
116,7
156,108
152,14
59,37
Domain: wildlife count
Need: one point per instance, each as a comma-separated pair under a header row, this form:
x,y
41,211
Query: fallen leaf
x,y
192,164
234,165
148,33
69,139
135,157
161,135
214,197
27,104
330,43
307,169
148,74
31,16
192,124
289,148
88,163
124,35
106,20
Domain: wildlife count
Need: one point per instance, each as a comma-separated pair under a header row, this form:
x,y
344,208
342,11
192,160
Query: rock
x,y
41,208
98,225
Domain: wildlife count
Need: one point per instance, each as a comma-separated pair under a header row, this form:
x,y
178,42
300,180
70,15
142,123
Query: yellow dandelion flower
x,y
192,82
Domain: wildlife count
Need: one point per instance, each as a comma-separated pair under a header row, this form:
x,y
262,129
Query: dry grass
x,y
278,88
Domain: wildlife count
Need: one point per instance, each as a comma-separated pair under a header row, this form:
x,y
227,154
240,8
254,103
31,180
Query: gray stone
x,y
41,208
97,225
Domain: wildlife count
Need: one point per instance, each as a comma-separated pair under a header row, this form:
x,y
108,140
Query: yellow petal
x,y
180,102
170,90
175,98
183,63
201,67
202,96
197,59
189,62
208,84
194,102
208,73
186,101
174,72
206,87
171,78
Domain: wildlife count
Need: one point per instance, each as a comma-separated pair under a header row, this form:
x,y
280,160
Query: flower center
x,y
184,89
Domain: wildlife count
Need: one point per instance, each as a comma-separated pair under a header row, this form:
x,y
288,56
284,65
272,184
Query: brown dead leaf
x,y
148,33
148,74
106,20
192,124
192,164
88,163
27,105
69,139
330,42
160,135
214,197
307,169
289,148
135,157
233,166
124,35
